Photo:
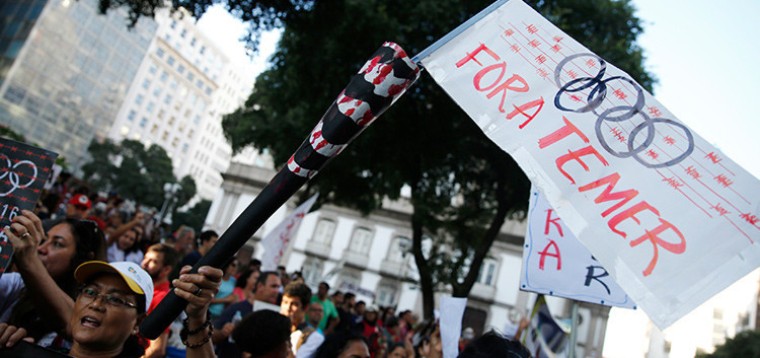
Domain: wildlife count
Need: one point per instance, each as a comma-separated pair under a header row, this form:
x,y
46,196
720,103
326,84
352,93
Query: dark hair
x,y
243,278
171,255
348,296
135,245
255,262
492,344
299,290
207,235
262,332
336,343
264,276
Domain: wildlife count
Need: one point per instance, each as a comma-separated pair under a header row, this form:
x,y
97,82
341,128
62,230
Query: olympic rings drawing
x,y
634,147
10,171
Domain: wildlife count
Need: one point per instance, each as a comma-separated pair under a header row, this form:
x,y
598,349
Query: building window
x,y
160,52
143,122
168,99
349,280
385,295
152,69
183,33
149,107
324,232
487,274
164,76
139,99
181,69
146,84
312,272
131,116
360,241
170,61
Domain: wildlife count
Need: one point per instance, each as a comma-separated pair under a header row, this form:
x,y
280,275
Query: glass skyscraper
x,y
64,82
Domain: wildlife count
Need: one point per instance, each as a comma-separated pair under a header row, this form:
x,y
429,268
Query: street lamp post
x,y
170,190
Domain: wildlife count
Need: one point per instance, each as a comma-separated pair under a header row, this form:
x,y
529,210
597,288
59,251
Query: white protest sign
x,y
671,218
557,264
276,242
452,310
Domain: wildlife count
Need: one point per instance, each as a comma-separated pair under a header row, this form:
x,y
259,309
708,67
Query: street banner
x,y
555,263
23,172
276,242
544,337
670,217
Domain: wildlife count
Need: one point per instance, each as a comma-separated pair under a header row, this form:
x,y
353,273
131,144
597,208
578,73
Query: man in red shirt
x,y
159,261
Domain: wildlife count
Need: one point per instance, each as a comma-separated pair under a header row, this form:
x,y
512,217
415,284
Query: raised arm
x,y
26,234
198,289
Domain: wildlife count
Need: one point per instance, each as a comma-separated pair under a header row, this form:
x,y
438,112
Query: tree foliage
x,y
260,15
194,217
744,344
463,187
135,172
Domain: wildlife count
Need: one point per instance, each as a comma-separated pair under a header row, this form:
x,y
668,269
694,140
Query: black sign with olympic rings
x,y
23,172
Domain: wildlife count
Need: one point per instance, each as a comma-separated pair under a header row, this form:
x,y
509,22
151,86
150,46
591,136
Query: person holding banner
x,y
113,301
44,285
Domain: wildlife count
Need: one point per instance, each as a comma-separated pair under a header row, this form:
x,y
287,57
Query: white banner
x,y
555,263
672,219
276,242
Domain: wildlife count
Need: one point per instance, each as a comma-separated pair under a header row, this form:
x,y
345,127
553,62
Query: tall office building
x,y
64,82
176,100
16,21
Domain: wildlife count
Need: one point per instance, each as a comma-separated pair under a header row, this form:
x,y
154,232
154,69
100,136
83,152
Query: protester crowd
x,y
86,271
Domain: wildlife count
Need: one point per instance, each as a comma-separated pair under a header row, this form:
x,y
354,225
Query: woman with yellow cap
x,y
112,303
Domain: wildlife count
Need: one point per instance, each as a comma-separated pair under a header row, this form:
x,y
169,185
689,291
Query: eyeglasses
x,y
92,294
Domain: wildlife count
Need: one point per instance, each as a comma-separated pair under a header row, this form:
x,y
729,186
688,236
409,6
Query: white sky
x,y
703,52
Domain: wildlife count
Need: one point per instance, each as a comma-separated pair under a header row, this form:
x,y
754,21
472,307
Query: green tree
x,y
194,217
744,344
425,141
135,172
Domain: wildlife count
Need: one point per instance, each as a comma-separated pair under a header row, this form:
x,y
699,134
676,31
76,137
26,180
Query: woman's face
x,y
251,283
397,352
100,325
57,251
355,349
231,269
127,240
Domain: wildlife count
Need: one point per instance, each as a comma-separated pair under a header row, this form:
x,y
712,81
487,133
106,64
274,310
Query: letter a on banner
x,y
580,277
636,186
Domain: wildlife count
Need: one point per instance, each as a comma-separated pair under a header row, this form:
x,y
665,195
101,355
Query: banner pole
x,y
573,330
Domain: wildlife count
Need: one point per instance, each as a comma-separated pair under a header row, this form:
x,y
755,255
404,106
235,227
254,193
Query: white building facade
x,y
367,256
184,85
